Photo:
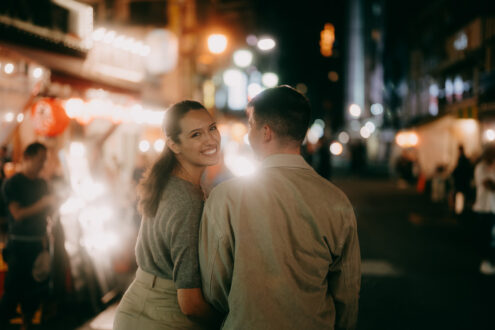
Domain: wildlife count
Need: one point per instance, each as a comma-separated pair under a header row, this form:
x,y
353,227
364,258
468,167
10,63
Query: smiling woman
x,y
171,202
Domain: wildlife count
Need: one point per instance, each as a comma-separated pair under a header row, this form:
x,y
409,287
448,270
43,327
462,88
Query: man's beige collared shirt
x,y
279,250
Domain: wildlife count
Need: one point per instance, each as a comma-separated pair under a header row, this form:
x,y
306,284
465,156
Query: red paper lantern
x,y
49,117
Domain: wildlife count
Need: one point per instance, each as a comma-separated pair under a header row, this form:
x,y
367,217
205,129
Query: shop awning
x,y
71,66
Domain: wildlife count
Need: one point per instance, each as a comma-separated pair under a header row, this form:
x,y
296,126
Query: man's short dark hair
x,y
33,149
285,110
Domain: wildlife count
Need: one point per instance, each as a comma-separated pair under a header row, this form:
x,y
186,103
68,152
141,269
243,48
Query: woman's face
x,y
199,140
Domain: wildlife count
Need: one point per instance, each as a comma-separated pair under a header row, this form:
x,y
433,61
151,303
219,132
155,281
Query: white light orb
x,y
355,110
336,148
217,43
269,79
266,44
376,109
344,137
412,139
159,145
370,126
364,132
8,68
490,135
74,107
9,117
144,146
243,58
37,73
232,76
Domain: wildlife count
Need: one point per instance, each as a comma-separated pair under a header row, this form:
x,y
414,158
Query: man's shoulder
x,y
14,181
334,193
228,186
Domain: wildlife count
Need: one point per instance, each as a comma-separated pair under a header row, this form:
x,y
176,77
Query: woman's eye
x,y
213,128
195,135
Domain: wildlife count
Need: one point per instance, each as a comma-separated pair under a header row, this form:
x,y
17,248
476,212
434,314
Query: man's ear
x,y
173,146
267,133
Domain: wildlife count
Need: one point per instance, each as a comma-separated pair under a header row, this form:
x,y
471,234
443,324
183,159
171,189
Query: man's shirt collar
x,y
285,160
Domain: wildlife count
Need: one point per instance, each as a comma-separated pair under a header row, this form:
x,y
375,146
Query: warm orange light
x,y
217,43
407,139
327,38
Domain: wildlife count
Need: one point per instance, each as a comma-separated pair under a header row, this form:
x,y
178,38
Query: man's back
x,y
280,250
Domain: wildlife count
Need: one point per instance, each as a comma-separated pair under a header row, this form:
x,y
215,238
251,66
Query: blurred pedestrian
x,y
29,203
439,184
280,250
4,158
484,206
3,213
462,177
166,293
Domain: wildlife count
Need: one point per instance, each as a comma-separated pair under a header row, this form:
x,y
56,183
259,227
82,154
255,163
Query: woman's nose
x,y
213,136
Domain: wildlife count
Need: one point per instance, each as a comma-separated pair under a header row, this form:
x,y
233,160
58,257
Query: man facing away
x,y
280,250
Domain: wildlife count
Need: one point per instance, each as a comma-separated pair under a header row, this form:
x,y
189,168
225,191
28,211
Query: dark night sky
x,y
296,25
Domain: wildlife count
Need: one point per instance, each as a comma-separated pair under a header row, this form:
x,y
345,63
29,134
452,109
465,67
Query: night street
x,y
119,117
420,269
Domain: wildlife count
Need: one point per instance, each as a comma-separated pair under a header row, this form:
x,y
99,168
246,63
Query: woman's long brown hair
x,y
155,179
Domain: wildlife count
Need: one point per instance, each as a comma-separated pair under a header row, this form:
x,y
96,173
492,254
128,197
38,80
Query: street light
x,y
243,58
266,43
232,76
376,109
336,148
355,110
344,137
370,126
8,68
217,43
269,79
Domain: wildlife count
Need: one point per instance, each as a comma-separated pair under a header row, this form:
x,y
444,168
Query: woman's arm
x,y
193,304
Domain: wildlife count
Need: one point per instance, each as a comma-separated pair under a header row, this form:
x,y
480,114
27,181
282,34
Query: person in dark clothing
x,y
462,176
29,202
3,211
3,159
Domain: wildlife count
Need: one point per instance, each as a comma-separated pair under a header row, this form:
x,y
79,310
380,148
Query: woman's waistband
x,y
154,281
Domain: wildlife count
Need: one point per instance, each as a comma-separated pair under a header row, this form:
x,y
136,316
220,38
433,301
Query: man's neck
x,y
280,151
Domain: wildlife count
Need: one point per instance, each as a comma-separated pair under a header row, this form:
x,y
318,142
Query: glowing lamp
x,y
49,117
217,43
